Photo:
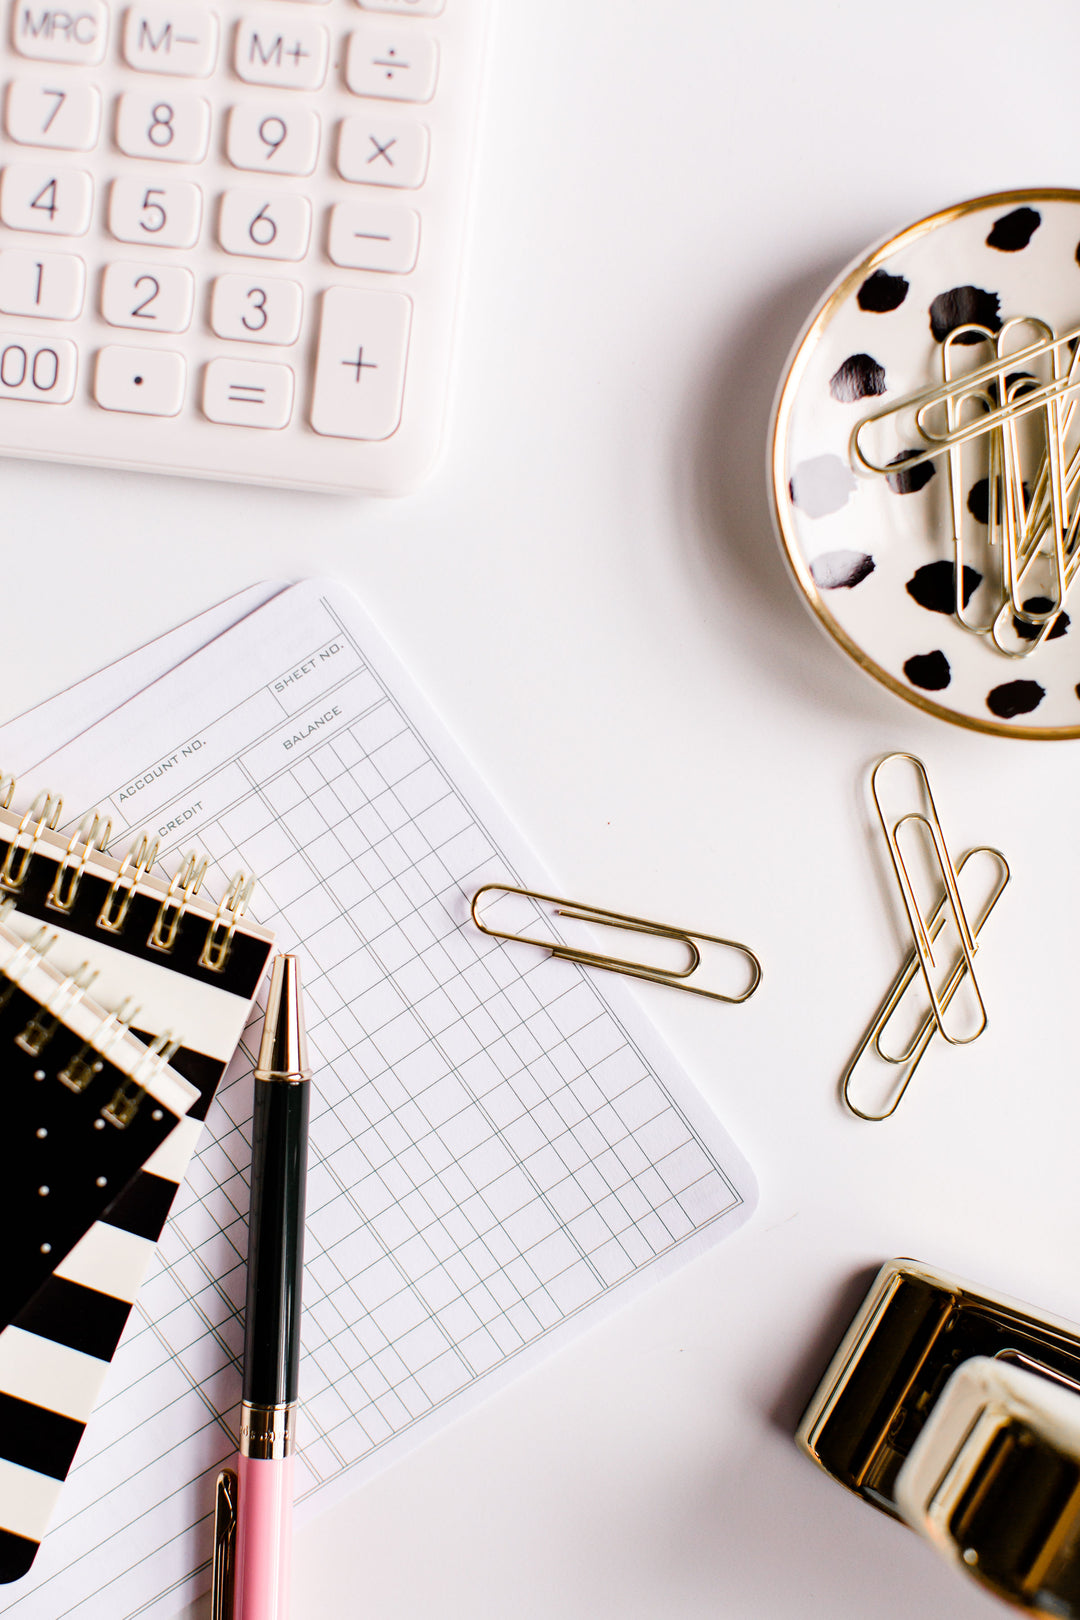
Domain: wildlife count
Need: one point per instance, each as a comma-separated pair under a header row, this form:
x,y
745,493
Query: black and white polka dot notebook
x,y
171,972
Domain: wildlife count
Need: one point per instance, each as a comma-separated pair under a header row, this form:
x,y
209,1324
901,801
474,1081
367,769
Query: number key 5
x,y
166,215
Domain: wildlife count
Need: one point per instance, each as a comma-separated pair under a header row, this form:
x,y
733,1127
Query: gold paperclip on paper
x,y
940,969
958,1411
678,976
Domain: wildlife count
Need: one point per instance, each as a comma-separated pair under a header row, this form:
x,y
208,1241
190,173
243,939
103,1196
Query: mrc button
x,y
57,34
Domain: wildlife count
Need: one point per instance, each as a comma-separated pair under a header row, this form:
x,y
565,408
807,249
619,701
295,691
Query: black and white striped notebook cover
x,y
191,966
87,1106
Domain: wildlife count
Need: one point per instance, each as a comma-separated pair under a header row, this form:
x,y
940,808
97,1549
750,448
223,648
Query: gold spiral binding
x,y
183,886
45,1022
30,951
130,1092
89,839
135,864
41,817
92,1056
215,953
7,789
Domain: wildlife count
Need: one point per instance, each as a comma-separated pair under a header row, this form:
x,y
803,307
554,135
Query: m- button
x,y
55,34
177,39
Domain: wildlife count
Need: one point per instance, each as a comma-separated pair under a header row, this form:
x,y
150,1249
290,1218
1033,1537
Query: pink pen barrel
x,y
264,1538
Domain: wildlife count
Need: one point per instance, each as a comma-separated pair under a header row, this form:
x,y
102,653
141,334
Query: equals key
x,y
248,393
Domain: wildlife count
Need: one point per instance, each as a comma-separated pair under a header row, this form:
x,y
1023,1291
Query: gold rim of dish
x,y
782,506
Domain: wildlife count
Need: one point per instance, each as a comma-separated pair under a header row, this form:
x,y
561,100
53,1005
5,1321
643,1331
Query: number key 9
x,y
277,140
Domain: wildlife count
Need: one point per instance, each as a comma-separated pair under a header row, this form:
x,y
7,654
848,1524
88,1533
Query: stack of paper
x,y
501,1151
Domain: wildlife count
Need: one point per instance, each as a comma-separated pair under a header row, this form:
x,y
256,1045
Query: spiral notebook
x,y
180,968
88,1105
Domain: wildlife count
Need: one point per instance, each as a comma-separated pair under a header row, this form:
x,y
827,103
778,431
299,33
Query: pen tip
x,y
283,1051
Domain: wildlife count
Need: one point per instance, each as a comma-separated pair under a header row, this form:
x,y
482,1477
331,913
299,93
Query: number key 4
x,y
57,202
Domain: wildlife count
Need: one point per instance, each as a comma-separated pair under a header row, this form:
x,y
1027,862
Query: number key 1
x,y
50,285
168,214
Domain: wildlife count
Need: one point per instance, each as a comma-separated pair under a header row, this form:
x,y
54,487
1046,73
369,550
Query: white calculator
x,y
231,234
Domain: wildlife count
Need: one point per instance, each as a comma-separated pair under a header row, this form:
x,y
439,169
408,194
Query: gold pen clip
x,y
677,977
224,1568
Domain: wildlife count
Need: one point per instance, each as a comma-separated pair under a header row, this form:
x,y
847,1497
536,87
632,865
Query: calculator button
x,y
419,8
168,215
291,55
374,236
147,382
360,370
39,370
176,39
394,67
51,285
278,139
50,35
148,297
256,309
274,227
57,202
379,152
171,126
248,393
66,118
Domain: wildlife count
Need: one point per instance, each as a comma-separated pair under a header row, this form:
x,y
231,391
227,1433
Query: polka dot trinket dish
x,y
925,464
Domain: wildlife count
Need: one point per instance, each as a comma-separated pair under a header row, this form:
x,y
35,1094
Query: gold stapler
x,y
958,1412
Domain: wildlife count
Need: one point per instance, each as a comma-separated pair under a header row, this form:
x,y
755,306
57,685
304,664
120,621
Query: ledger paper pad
x,y
501,1150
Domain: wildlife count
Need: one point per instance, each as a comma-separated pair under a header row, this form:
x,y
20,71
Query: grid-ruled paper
x,y
499,1149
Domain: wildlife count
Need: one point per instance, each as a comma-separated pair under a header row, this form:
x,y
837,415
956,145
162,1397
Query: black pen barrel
x,y
276,1241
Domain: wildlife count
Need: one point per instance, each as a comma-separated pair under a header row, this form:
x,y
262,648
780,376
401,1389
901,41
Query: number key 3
x,y
256,309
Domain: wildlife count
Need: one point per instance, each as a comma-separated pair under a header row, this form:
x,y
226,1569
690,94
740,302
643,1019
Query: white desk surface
x,y
590,590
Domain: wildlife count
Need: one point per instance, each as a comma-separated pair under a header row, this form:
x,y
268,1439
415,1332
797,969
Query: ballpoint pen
x,y
254,1507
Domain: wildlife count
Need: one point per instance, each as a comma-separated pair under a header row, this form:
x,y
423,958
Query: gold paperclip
x,y
909,1059
922,930
675,977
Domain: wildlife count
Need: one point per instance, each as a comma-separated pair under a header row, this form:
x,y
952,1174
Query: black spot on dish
x,y
1030,632
1014,231
930,671
933,586
1011,392
978,501
1015,697
964,306
841,569
909,481
881,292
859,377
